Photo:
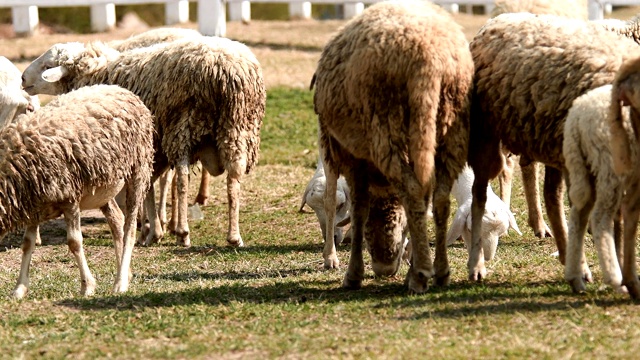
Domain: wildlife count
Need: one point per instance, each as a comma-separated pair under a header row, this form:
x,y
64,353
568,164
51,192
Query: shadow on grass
x,y
276,249
458,300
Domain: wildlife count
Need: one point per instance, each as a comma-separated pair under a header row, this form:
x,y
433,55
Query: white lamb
x,y
496,221
314,197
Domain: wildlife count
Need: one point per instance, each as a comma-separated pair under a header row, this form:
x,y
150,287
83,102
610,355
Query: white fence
x,y
212,13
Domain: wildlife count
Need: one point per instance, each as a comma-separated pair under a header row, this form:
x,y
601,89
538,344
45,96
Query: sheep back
x,y
406,60
92,137
153,36
529,69
199,90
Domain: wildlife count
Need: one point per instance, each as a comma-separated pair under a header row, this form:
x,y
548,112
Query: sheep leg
x,y
630,214
171,225
475,264
329,251
532,195
574,271
74,241
155,231
413,198
115,219
617,236
506,177
359,186
441,210
233,194
203,192
28,245
124,274
603,236
553,198
164,183
182,226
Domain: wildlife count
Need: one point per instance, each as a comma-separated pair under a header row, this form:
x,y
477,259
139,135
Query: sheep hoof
x,y
120,287
235,242
417,281
351,284
633,287
331,262
442,280
478,274
183,239
88,288
577,286
201,200
19,292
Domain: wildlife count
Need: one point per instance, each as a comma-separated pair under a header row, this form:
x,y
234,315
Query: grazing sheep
x,y
207,95
392,96
314,197
74,154
13,100
575,9
596,191
529,69
496,221
626,91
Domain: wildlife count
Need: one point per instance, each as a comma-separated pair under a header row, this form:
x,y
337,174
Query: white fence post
x,y
103,17
353,9
25,19
300,10
176,12
595,10
452,8
240,11
212,17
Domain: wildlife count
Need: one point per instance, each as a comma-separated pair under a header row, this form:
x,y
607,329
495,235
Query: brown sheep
x,y
392,96
529,69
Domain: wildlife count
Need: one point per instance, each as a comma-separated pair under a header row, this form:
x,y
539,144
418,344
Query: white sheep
x,y
496,221
595,190
392,96
207,95
314,197
13,100
529,69
75,154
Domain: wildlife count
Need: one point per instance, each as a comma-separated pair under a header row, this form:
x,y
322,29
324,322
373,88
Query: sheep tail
x,y
423,106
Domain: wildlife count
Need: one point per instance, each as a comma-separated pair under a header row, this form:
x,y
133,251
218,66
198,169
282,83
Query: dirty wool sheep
x,y
626,92
529,69
76,154
392,96
13,100
207,95
596,191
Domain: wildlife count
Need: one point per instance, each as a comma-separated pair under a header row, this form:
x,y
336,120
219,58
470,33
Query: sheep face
x,y
43,75
385,233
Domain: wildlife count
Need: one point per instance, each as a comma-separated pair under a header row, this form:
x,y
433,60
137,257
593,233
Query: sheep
x,y
13,100
392,96
207,95
314,197
496,221
625,91
152,37
575,9
529,69
595,191
74,154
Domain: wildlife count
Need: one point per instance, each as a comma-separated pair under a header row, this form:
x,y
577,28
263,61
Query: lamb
x,y
529,69
496,221
596,191
314,197
207,95
74,154
392,87
625,91
13,100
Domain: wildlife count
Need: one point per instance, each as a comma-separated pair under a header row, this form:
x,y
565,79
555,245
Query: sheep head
x,y
385,232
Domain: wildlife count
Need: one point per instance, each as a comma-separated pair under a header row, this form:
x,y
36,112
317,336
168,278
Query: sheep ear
x,y
512,222
54,74
346,221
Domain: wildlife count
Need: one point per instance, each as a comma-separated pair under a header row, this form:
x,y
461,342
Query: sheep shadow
x,y
459,300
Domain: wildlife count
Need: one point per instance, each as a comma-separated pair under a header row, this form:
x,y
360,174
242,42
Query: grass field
x,y
273,299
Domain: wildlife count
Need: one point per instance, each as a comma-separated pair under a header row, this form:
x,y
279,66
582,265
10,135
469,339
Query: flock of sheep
x,y
408,112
